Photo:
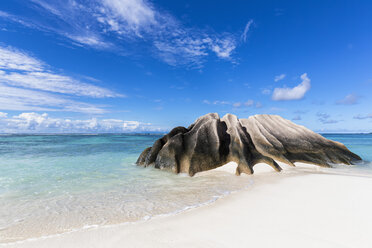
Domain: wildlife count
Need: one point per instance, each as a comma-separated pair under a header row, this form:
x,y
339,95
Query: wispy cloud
x,y
248,103
34,122
120,24
129,16
279,77
25,82
350,99
182,51
12,98
259,105
237,104
173,42
52,82
18,68
318,102
223,47
13,59
217,102
266,91
323,115
326,118
296,93
363,117
16,19
246,30
89,39
300,111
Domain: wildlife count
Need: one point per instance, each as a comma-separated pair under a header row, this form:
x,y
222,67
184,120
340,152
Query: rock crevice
x,y
211,142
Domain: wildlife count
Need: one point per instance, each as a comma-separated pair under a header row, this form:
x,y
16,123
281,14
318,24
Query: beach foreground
x,y
304,206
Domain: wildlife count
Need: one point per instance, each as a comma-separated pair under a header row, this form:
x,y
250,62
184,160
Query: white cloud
x,y
224,47
175,43
12,98
130,15
36,123
296,93
89,39
13,59
279,77
350,99
20,69
182,51
187,49
129,22
25,82
3,115
246,30
52,82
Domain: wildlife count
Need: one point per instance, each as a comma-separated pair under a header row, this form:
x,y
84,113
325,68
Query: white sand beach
x,y
304,206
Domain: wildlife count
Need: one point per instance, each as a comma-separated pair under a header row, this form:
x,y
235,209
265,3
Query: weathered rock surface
x,y
211,142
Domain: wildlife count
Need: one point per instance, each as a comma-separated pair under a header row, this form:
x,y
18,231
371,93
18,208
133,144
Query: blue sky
x,y
132,65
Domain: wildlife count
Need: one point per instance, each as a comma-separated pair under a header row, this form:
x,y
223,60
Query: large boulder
x,y
211,142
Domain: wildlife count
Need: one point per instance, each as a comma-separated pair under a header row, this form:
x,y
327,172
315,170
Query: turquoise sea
x,y
50,184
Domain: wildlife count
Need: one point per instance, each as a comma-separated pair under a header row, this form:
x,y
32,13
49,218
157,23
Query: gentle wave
x,y
28,233
61,183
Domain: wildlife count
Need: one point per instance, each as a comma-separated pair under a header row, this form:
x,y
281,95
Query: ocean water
x,y
51,184
360,144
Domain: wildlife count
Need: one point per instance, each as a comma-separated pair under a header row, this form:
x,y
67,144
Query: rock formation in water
x,y
211,142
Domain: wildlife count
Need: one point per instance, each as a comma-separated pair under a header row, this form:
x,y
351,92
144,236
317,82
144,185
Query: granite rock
x,y
211,142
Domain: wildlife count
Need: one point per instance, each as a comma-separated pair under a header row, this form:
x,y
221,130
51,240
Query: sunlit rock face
x,y
211,142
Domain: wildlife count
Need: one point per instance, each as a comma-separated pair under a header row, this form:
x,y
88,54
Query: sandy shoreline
x,y
300,207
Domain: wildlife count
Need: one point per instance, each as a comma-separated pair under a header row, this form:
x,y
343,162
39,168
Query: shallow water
x,y
56,183
51,184
360,144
